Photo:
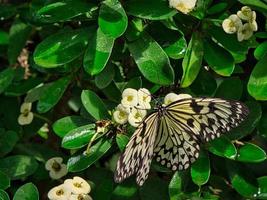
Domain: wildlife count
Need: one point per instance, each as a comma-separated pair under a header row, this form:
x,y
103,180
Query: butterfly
x,y
172,134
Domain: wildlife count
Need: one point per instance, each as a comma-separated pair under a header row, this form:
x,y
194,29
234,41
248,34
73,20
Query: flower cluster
x,y
133,106
184,6
56,168
26,116
234,24
72,189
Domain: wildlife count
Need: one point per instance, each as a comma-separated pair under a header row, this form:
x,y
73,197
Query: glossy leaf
x,y
4,37
260,50
18,35
78,137
5,181
6,77
64,125
52,95
4,195
219,59
192,60
115,26
175,186
8,139
156,69
223,147
83,161
230,88
262,194
27,191
122,141
150,9
94,105
61,48
257,84
97,53
61,11
18,166
126,190
200,169
104,78
251,153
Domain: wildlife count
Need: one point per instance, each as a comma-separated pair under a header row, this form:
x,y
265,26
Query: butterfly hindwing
x,y
138,153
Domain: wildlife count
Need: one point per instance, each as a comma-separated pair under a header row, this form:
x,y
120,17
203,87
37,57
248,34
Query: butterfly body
x,y
172,134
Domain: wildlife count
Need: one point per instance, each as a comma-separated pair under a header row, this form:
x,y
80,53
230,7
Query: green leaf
x,y
223,147
122,141
18,35
6,77
156,69
257,84
125,190
251,153
104,78
112,92
27,191
112,18
150,9
64,125
78,137
4,38
83,161
192,60
262,187
18,166
262,127
94,105
36,93
219,59
7,11
97,53
61,48
63,11
154,188
5,181
230,88
217,8
175,187
257,4
8,140
249,124
177,49
260,50
53,94
200,169
4,195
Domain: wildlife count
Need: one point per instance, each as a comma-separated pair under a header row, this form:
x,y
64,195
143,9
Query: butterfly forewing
x,y
174,133
138,153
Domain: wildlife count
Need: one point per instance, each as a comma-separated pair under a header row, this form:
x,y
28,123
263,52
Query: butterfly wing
x,y
188,122
138,154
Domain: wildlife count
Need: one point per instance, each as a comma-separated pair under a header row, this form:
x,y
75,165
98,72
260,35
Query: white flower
x,y
56,168
245,32
232,24
77,185
44,128
80,197
171,97
136,116
121,114
184,6
246,14
26,115
129,97
253,25
144,98
59,193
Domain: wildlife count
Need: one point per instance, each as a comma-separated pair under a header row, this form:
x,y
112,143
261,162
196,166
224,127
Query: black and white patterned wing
x,y
138,154
188,122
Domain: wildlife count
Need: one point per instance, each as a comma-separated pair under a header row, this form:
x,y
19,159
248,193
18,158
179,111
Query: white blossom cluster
x,y
72,189
184,6
133,106
135,103
234,23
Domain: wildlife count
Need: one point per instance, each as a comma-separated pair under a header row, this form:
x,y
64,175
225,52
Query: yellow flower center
x,y
80,197
129,98
78,185
122,115
56,166
60,192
